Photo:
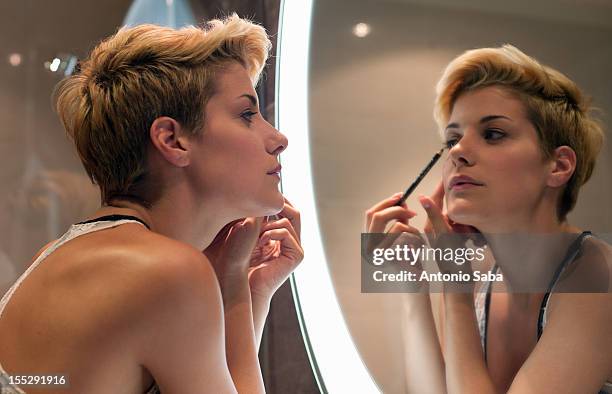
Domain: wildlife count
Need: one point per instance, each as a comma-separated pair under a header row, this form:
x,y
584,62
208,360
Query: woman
x,y
521,143
167,124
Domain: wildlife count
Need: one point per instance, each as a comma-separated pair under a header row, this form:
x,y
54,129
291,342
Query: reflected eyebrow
x,y
251,98
493,117
482,120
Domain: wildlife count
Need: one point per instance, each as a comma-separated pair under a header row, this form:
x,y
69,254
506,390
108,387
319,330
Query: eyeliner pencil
x,y
416,182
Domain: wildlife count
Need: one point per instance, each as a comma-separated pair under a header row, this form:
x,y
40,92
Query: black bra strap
x,y
569,257
572,251
487,306
112,218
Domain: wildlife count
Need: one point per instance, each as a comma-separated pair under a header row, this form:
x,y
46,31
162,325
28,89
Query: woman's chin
x,y
273,205
464,215
268,205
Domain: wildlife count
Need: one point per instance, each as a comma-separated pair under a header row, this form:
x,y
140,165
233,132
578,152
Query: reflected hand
x,y
442,232
276,254
385,214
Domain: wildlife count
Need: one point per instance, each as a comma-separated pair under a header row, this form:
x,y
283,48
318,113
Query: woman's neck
x,y
176,216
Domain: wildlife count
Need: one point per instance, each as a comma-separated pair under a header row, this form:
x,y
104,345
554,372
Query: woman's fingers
x,y
386,203
401,233
281,223
235,252
378,220
244,232
222,234
289,244
438,195
293,215
439,224
399,227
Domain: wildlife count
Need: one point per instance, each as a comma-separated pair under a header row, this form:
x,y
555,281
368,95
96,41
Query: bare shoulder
x,y
573,354
120,299
173,261
165,273
587,312
176,311
579,317
119,281
591,270
582,302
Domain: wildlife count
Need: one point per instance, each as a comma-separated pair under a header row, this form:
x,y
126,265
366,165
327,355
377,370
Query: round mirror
x,y
355,97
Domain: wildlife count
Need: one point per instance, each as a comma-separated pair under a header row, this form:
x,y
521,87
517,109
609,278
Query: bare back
x,y
86,311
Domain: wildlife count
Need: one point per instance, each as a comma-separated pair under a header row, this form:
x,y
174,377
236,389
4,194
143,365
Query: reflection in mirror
x,y
373,69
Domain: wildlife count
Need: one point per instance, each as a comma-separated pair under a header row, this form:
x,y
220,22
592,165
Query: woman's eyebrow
x,y
251,98
482,120
493,117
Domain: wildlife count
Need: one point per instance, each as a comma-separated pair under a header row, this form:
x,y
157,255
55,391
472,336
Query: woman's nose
x,y
278,143
462,153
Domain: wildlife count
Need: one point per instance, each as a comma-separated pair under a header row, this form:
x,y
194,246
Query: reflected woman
x,y
521,142
167,124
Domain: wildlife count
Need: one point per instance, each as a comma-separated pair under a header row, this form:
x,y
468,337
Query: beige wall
x,y
43,187
372,129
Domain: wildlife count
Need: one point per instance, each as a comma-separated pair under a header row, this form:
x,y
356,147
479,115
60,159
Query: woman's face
x,y
493,144
237,152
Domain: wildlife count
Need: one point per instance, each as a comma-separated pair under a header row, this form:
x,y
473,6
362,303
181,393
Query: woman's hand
x,y
442,232
438,222
276,254
230,252
386,214
380,215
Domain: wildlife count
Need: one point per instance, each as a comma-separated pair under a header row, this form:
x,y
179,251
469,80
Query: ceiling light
x,y
14,59
361,29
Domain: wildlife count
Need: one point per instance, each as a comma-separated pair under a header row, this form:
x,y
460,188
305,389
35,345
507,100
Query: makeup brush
x,y
416,182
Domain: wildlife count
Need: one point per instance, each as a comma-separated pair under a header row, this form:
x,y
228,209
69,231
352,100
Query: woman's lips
x,y
463,186
276,171
463,182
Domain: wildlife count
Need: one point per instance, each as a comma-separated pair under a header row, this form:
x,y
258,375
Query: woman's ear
x,y
167,137
563,166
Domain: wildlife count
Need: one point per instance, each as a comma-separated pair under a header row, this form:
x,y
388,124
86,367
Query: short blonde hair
x,y
555,106
138,75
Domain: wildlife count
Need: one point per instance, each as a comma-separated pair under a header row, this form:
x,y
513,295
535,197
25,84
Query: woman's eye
x,y
493,134
248,115
451,142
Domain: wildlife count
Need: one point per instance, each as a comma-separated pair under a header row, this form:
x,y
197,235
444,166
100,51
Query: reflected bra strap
x,y
572,251
569,257
487,306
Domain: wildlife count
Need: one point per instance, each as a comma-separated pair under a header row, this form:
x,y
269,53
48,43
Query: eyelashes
x,y
494,134
448,144
248,115
491,135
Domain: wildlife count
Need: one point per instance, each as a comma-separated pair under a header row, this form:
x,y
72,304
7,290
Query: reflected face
x,y
236,155
495,174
